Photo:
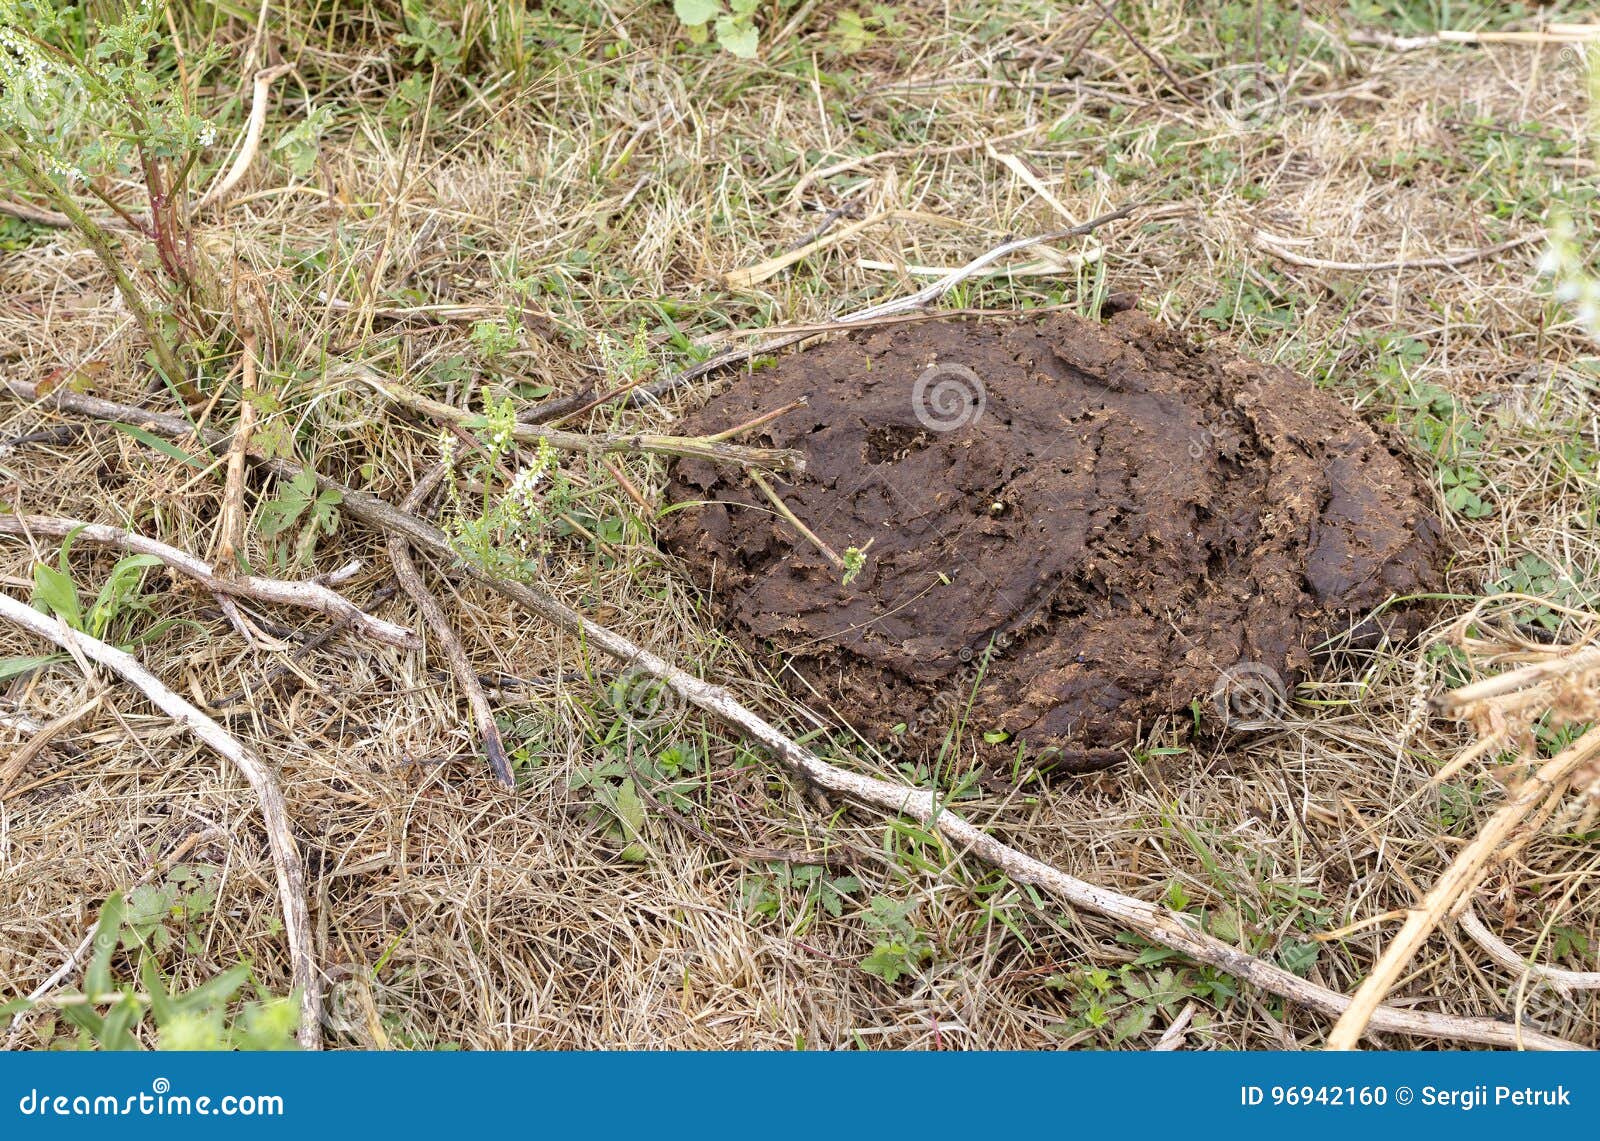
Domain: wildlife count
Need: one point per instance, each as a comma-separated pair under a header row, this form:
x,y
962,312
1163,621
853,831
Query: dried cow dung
x,y
1090,525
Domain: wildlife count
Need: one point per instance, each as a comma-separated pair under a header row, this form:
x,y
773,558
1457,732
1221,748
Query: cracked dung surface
x,y
1125,519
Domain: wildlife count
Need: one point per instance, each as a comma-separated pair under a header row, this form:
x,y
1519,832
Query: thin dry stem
x,y
304,595
286,859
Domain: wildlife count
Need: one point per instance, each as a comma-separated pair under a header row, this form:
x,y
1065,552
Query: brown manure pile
x,y
1075,527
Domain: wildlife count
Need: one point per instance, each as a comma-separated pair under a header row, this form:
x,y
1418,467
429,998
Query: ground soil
x,y
1078,526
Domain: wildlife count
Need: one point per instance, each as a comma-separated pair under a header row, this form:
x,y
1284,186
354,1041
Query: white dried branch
x,y
286,861
305,595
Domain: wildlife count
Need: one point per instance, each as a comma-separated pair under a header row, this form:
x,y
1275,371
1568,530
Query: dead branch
x,y
1554,668
305,595
1553,33
259,101
230,527
1561,980
1274,246
1158,924
593,443
410,578
755,274
1461,877
286,859
922,298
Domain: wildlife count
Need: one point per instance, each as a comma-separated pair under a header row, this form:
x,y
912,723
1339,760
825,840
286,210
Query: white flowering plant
x,y
85,109
508,531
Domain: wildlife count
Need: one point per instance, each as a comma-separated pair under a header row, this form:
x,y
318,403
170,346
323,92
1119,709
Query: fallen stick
x,y
259,99
230,528
752,275
1560,979
38,215
286,860
1158,924
874,313
1511,681
1274,247
305,595
1552,34
1461,877
410,578
593,443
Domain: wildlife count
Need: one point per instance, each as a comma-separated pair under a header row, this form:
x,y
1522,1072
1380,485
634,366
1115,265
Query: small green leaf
x,y
738,36
1132,1023
696,12
12,667
97,978
630,810
1298,957
54,593
167,449
214,991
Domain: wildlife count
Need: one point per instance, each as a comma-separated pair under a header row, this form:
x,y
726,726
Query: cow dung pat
x,y
1077,527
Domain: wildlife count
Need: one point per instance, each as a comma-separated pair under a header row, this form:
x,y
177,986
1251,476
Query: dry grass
x,y
623,175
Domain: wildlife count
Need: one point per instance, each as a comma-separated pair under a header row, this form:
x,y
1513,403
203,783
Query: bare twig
x,y
594,443
1461,877
286,859
38,215
931,293
230,526
755,422
1561,980
259,102
874,314
410,578
762,271
1274,246
1558,665
1550,34
1159,63
305,595
784,510
1168,928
